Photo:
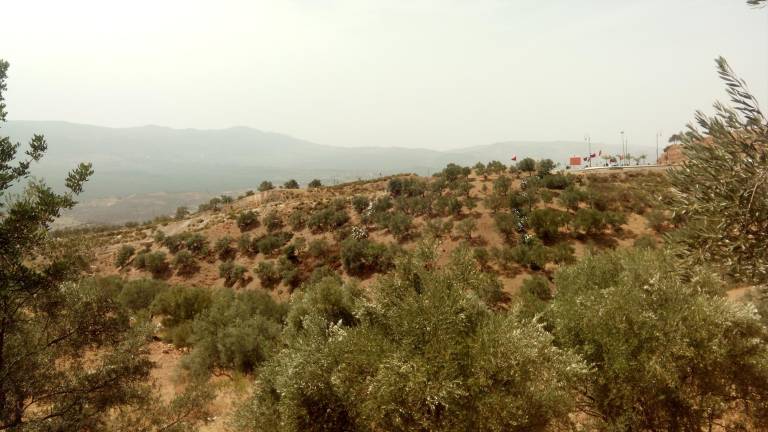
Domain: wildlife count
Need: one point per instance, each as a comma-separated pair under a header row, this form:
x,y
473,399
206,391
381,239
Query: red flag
x,y
514,157
592,155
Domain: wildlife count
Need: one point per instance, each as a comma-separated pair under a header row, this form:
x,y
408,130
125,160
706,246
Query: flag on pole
x,y
514,157
591,155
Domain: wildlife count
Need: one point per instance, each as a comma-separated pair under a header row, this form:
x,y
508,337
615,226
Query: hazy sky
x,y
413,73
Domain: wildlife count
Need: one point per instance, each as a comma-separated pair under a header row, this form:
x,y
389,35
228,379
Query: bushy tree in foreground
x,y
237,332
48,320
425,355
720,190
668,352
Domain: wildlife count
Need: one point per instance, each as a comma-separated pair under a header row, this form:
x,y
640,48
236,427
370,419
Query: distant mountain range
x,y
154,159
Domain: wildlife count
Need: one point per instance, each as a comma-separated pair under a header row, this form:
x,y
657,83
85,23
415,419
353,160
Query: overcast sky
x,y
412,73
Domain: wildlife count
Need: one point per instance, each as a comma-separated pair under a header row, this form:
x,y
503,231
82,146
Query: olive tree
x,y
720,190
668,351
424,353
68,354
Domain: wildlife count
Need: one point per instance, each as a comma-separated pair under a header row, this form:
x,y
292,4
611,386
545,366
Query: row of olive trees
x,y
629,342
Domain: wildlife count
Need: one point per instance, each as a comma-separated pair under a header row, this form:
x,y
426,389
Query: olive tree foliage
x,y
422,353
49,321
668,351
721,190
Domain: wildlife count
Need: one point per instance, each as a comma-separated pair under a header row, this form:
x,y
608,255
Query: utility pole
x,y
621,152
658,135
589,148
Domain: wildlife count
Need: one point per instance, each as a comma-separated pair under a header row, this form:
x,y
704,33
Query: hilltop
x,y
473,215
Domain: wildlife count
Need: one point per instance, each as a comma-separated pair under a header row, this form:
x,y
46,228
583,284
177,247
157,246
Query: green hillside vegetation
x,y
486,298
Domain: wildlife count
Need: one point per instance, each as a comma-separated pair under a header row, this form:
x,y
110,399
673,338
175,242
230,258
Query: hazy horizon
x,y
417,74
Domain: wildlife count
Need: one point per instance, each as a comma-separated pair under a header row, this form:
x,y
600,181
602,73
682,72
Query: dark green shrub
x,y
523,200
547,196
270,243
153,262
139,294
268,274
453,172
232,273
174,243
547,222
418,205
399,225
237,332
589,221
291,184
466,227
318,248
544,167
600,197
223,248
480,169
508,224
244,244
184,263
537,286
265,186
314,184
123,255
247,220
226,199
659,341
320,273
408,187
562,253
556,181
531,254
289,272
362,257
615,220
527,165
177,307
272,221
571,197
297,219
495,167
447,205
360,203
382,204
534,296
327,219
384,369
501,185
197,244
438,228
